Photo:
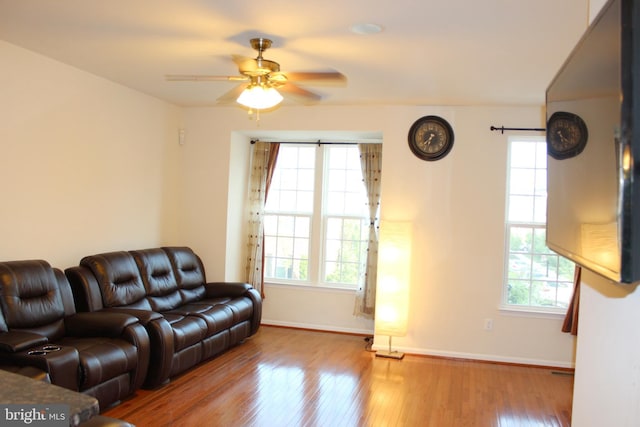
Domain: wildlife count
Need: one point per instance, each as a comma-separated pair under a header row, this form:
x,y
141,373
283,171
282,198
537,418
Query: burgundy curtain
x,y
570,324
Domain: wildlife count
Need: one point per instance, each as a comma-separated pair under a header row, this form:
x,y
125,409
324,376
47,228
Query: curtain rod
x,y
318,142
502,129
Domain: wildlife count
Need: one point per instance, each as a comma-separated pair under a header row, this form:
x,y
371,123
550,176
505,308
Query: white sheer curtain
x,y
371,163
263,160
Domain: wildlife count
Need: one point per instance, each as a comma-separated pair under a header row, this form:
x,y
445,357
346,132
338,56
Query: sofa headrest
x,y
187,267
158,279
30,296
156,271
118,277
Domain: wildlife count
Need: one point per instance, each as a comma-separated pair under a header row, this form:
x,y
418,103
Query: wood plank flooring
x,y
287,377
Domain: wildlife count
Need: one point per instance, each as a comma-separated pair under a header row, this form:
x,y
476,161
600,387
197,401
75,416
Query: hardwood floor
x,y
288,377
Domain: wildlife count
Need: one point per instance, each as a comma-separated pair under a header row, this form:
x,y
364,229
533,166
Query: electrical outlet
x,y
488,324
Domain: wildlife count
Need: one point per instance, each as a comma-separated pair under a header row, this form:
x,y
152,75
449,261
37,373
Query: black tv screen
x,y
593,187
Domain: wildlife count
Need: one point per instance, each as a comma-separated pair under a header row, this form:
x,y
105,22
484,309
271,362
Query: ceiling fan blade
x,y
231,95
300,94
330,77
202,78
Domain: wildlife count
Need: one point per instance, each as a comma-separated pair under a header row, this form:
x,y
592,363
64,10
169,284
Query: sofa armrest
x,y
15,341
143,316
237,290
160,335
101,323
226,289
255,297
85,288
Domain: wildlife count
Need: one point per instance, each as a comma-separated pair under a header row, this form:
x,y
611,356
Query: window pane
x,y
540,241
337,180
520,239
286,246
306,157
521,209
345,192
344,258
304,202
518,292
292,185
566,270
540,210
523,154
523,181
545,266
541,184
305,180
335,202
519,266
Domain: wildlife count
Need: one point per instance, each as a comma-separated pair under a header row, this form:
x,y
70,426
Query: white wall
x,y
607,377
86,164
456,204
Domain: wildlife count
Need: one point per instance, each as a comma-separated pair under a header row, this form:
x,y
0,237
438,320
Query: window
x,y
316,218
536,278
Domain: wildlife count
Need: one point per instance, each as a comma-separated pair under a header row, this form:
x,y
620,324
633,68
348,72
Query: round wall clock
x,y
431,138
566,135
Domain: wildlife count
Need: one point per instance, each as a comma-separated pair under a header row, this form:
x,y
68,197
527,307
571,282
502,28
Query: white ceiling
x,y
430,52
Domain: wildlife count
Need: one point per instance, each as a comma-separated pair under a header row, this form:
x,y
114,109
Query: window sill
x,y
310,286
538,312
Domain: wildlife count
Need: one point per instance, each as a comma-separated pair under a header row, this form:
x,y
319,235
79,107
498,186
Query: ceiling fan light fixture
x,y
259,97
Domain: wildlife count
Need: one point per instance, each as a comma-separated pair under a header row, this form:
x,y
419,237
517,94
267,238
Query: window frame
x,y
319,218
505,306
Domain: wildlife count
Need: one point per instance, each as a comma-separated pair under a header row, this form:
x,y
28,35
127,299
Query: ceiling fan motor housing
x,y
259,66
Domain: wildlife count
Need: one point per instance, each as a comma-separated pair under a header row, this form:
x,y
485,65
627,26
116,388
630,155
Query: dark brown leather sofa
x,y
188,319
105,355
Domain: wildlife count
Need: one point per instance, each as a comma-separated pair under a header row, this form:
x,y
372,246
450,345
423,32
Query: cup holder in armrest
x,y
44,350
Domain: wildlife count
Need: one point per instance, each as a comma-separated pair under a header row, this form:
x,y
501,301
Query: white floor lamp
x,y
394,280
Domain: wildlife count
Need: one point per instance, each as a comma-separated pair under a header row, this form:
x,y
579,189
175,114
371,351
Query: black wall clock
x,y
431,138
566,135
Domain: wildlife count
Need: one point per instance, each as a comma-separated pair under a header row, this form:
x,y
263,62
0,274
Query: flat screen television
x,y
593,128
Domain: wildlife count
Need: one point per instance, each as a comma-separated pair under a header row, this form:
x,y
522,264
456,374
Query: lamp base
x,y
390,354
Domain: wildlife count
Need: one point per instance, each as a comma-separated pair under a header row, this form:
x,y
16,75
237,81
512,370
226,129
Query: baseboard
x,y
480,357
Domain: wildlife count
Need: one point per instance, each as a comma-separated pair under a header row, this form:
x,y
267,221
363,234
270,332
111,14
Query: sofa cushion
x,y
217,317
187,330
117,276
241,307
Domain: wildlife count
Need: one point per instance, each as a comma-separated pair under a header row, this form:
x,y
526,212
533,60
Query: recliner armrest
x,y
15,341
101,323
143,316
226,289
237,290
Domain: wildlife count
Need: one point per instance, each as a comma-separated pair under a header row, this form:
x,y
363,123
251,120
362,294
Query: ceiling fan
x,y
264,80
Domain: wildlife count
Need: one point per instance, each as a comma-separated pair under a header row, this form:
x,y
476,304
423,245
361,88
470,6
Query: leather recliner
x,y
101,354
